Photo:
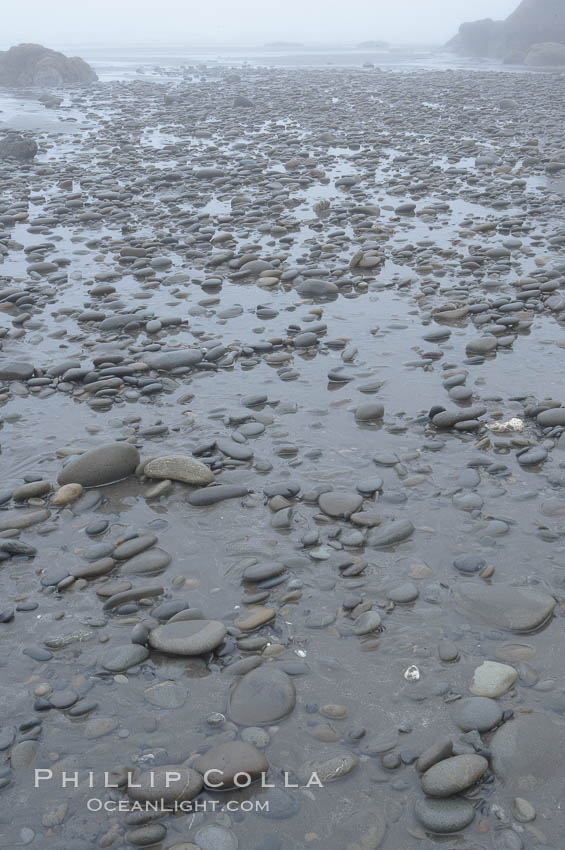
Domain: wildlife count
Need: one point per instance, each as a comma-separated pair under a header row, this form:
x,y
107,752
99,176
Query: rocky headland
x,y
35,65
534,34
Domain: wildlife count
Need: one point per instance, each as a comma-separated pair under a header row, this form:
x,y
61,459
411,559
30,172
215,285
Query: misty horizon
x,y
250,22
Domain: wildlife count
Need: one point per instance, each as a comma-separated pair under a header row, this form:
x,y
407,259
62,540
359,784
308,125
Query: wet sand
x,y
367,268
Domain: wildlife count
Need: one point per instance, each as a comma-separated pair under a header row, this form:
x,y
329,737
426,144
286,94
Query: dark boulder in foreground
x,y
534,22
16,146
35,65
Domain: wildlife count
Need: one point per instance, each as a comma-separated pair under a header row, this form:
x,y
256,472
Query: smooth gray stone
x,y
480,713
314,288
367,623
159,783
261,572
529,750
369,412
217,493
130,548
444,816
143,836
169,360
234,450
16,370
262,696
453,775
403,593
551,418
22,518
516,609
535,455
103,465
187,637
442,749
469,563
391,533
132,595
152,562
449,418
229,759
123,657
368,486
336,504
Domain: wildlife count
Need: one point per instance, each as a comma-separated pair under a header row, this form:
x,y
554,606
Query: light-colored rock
x,y
66,494
183,468
492,679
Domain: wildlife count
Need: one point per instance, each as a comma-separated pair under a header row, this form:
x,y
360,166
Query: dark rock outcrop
x,y
532,23
35,65
16,146
546,54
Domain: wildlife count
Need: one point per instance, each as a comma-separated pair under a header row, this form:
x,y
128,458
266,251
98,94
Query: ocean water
x,y
115,63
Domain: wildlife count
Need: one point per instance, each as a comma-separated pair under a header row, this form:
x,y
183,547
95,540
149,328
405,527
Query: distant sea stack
x,y
35,65
533,34
373,45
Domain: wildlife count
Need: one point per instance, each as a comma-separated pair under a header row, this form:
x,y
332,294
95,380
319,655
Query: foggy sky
x,y
126,22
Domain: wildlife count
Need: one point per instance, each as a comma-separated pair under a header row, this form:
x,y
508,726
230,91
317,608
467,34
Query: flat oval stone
x,y
103,465
532,456
261,572
183,468
367,623
169,360
552,417
469,563
369,412
187,637
262,696
403,593
517,609
237,451
330,769
217,493
258,615
478,713
340,504
152,562
391,533
528,751
442,749
123,657
130,548
220,765
23,518
143,836
161,783
453,775
444,816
